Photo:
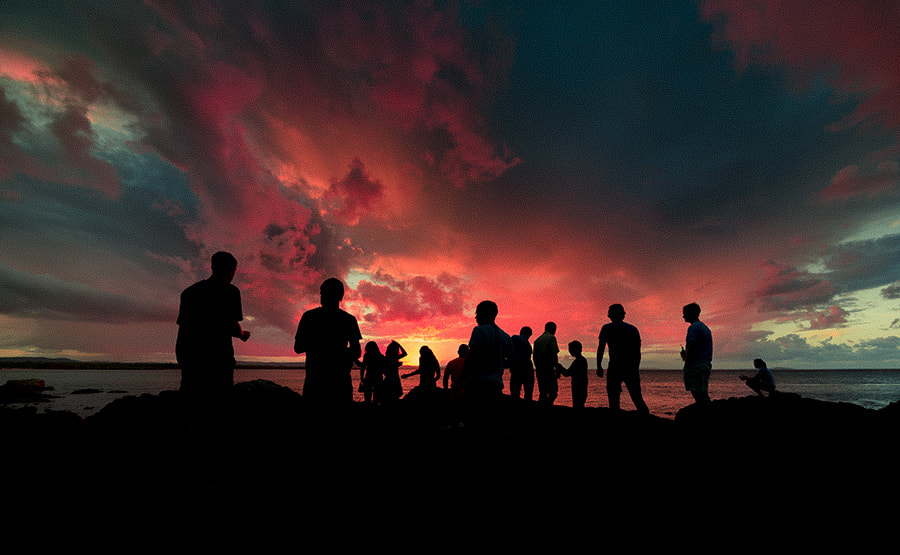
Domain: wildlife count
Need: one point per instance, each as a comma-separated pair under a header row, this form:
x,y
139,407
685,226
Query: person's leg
x,y
515,384
701,397
637,397
528,386
613,392
696,380
754,384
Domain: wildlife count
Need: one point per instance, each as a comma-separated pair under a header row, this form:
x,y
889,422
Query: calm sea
x,y
663,389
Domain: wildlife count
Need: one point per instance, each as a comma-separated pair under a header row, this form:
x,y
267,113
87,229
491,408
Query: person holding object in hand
x,y
762,381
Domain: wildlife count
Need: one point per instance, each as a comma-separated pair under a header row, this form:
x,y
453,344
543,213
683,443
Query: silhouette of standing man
x,y
546,363
521,369
489,347
208,317
453,373
624,342
330,338
697,355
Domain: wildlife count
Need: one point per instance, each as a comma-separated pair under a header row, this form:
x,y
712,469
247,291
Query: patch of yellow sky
x,y
869,314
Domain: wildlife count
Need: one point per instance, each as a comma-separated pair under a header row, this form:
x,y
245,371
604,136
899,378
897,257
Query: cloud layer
x,y
556,159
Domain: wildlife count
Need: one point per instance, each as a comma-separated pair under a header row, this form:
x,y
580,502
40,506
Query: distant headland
x,y
62,363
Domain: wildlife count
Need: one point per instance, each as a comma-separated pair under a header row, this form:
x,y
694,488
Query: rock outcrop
x,y
265,442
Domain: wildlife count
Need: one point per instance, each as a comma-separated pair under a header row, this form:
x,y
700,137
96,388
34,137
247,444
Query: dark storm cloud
x,y
74,224
788,289
892,291
554,154
793,349
46,297
864,264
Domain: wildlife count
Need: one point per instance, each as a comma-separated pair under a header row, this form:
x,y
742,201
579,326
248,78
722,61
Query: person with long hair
x,y
429,370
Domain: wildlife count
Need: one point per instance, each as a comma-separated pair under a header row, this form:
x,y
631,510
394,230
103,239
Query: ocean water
x,y
663,390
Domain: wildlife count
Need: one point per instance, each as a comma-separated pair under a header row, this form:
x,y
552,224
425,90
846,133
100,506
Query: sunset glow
x,y
555,158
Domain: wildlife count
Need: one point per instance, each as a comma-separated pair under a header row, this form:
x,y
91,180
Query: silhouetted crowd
x,y
210,314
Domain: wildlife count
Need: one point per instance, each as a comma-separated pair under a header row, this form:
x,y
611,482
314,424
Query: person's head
x,y
574,348
371,347
426,354
393,348
691,312
759,363
616,312
486,312
525,332
463,350
550,327
331,292
223,265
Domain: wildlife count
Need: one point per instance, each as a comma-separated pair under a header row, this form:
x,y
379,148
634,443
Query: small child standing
x,y
578,372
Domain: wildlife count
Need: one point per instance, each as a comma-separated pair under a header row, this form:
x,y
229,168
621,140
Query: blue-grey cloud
x,y
43,296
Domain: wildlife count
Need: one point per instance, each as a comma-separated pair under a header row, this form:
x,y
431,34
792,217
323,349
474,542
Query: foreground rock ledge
x,y
268,441
262,406
263,409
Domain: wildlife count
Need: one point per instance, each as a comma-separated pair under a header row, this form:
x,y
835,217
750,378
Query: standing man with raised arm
x,y
209,316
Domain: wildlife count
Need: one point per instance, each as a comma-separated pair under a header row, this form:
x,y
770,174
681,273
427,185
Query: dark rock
x,y
24,391
266,430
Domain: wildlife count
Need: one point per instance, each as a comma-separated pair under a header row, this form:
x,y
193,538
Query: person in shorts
x,y
697,354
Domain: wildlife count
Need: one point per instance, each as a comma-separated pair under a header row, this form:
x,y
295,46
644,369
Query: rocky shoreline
x,y
268,444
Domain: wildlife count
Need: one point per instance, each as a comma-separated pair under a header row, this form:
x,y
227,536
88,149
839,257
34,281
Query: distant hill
x,y
68,363
9,360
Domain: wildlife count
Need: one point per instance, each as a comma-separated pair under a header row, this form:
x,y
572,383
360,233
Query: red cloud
x,y
851,181
353,196
415,299
832,317
419,70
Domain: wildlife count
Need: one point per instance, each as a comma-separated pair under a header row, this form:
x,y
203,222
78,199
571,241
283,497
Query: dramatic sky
x,y
555,157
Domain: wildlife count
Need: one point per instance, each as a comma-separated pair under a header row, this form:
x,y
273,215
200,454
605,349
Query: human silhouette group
x,y
210,313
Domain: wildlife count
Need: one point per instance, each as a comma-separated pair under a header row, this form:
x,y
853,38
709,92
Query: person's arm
x,y
363,367
236,331
638,347
237,314
601,348
690,346
300,337
418,370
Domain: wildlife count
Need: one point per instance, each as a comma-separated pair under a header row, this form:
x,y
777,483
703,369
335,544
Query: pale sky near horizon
x,y
554,157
